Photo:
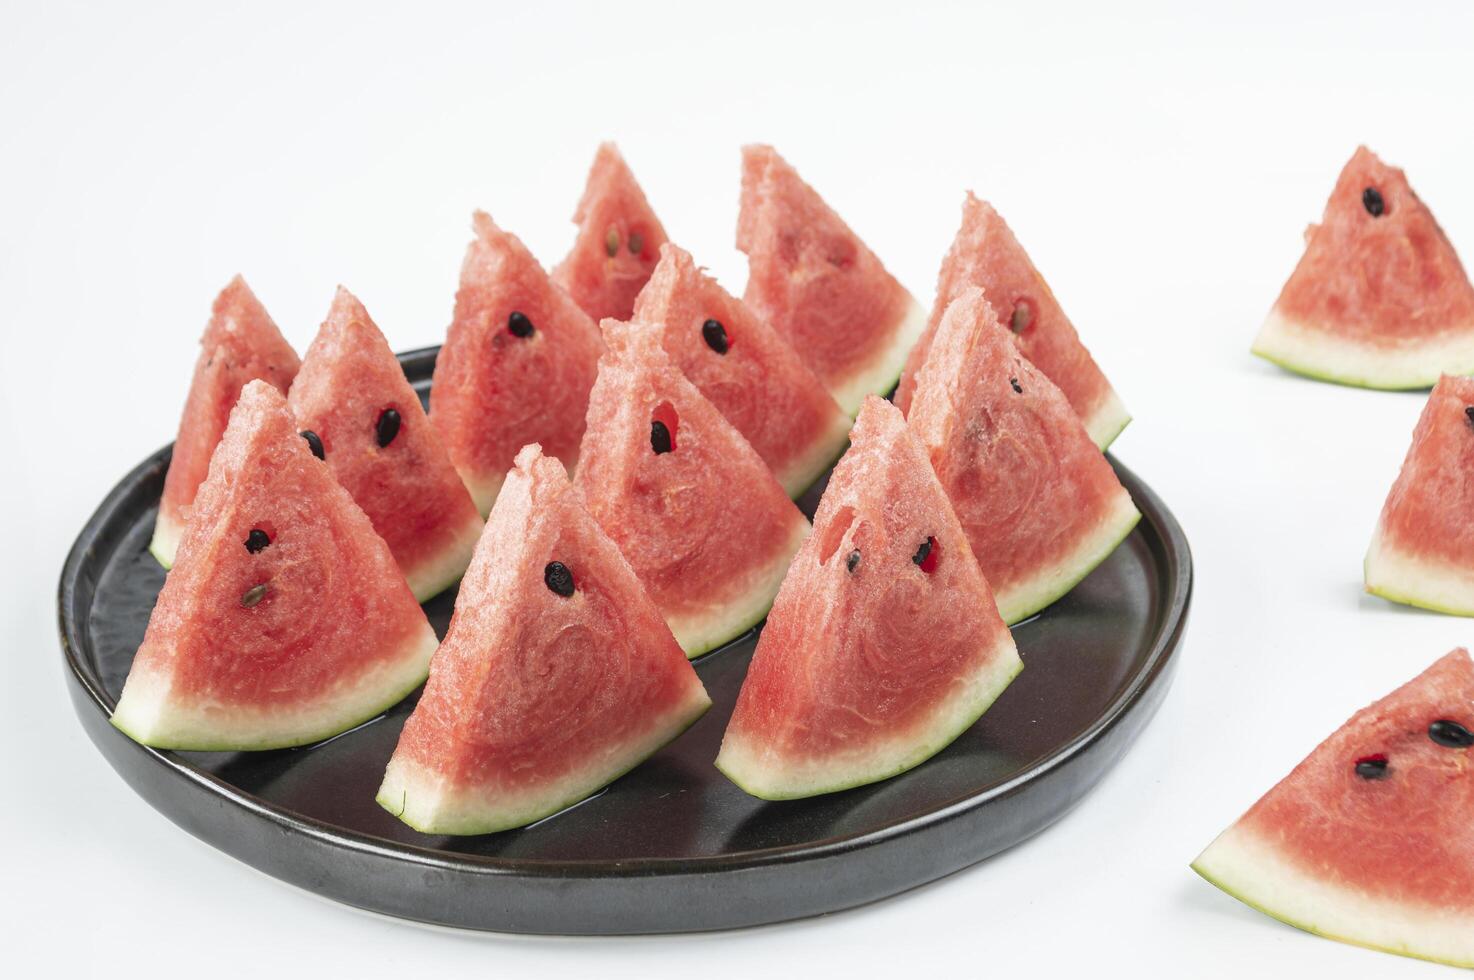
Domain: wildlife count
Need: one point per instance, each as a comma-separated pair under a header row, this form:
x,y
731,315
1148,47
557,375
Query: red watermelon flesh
x,y
1379,299
285,619
813,279
1042,507
517,364
985,254
1422,551
1367,841
687,499
884,643
745,369
240,344
378,442
618,241
538,696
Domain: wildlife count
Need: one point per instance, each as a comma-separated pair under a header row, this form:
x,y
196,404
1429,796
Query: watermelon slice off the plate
x,y
812,278
618,243
1422,551
517,364
285,619
557,676
691,504
1041,506
1379,298
1367,841
240,344
376,439
986,254
884,644
744,368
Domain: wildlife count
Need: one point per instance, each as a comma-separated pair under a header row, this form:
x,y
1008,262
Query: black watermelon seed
x,y
659,437
852,562
1371,199
253,595
1018,390
1372,767
637,243
388,427
519,325
715,336
1469,413
257,541
611,241
313,443
922,552
1450,734
558,578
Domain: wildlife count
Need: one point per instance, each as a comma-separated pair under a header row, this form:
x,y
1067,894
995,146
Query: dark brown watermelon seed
x,y
1371,199
659,437
611,241
852,561
637,243
387,427
1017,389
1023,315
313,443
927,555
257,541
715,336
1450,734
1372,767
518,324
253,595
1469,413
558,578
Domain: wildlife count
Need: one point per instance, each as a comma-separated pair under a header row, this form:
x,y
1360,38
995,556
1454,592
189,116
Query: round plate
x,y
672,846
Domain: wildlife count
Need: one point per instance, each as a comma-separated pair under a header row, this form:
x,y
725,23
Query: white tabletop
x,y
1159,164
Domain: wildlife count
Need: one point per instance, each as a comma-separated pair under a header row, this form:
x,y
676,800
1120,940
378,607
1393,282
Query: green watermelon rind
x,y
1108,421
801,475
435,575
1323,356
699,636
1423,583
881,374
164,544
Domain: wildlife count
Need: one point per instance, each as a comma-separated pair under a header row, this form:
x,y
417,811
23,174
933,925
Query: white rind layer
x,y
148,713
764,775
805,471
165,543
445,569
1428,583
423,799
1254,871
884,370
1108,420
483,490
698,634
1026,598
1321,354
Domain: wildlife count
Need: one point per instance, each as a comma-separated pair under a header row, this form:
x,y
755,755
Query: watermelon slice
x,y
557,676
813,279
691,504
285,620
517,365
1041,505
1379,298
745,369
618,241
1367,841
378,442
240,344
985,254
884,644
1422,551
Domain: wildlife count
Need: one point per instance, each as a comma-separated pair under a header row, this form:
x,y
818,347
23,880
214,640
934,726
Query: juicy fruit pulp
x,y
1385,862
884,644
557,675
376,439
258,647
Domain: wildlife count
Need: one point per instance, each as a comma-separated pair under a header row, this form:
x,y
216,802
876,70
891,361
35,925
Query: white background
x,y
1159,163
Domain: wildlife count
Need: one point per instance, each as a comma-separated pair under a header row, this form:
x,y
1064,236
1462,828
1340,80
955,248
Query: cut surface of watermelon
x,y
822,290
691,505
1422,550
1367,840
240,343
379,445
1041,506
884,644
618,242
744,368
517,364
557,676
1379,299
986,254
285,619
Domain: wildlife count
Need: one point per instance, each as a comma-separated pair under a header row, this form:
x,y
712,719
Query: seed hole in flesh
x,y
387,427
253,595
611,241
1371,199
257,541
637,243
559,578
1450,734
1022,316
664,424
518,325
1372,767
313,443
928,555
1017,388
852,562
834,533
715,336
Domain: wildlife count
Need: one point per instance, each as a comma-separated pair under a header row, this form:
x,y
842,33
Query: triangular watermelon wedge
x,y
1379,298
986,254
691,504
745,369
1042,507
618,241
812,278
241,343
377,440
1367,841
517,364
1422,552
285,619
884,644
557,676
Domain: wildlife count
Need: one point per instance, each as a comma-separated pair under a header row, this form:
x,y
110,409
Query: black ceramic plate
x,y
672,846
